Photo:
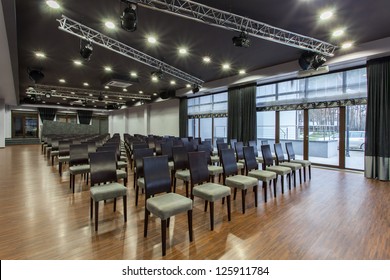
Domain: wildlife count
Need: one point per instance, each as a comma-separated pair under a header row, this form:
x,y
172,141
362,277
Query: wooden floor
x,y
337,215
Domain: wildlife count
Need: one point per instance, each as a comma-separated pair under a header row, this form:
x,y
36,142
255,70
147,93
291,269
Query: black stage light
x,y
35,75
101,98
195,88
86,50
310,60
241,41
129,16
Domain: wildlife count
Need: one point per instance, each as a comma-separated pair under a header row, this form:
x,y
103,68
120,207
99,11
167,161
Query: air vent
x,y
118,83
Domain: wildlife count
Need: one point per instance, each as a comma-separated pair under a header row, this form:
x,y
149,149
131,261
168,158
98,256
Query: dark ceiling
x,y
37,30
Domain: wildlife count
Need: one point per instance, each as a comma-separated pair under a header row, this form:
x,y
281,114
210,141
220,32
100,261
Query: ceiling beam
x,y
230,21
84,32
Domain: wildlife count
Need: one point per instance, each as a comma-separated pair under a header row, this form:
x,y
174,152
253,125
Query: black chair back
x,y
103,167
250,159
139,154
229,163
233,143
110,148
279,153
157,176
267,155
166,149
198,167
290,151
206,149
180,158
78,154
253,143
63,148
239,150
140,146
222,146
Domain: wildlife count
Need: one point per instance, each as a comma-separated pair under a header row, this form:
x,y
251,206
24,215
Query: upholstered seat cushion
x,y
64,159
259,159
292,165
241,182
122,164
121,174
214,159
262,175
240,165
168,205
280,170
215,170
304,163
211,191
241,161
108,191
79,169
183,175
170,165
123,158
54,153
141,183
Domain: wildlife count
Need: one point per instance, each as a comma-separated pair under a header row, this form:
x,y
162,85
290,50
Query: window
x,y
66,118
24,124
215,103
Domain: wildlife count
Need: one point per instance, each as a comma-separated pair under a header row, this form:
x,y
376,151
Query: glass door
x,y
291,130
355,136
24,125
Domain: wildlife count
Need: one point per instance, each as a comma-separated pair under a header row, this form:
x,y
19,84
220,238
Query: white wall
x,y
160,118
2,123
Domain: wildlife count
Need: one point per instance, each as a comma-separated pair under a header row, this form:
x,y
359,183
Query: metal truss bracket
x,y
223,19
84,32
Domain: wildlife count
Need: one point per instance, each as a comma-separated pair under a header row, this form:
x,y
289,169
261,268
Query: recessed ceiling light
x,y
346,45
133,74
183,51
338,32
326,15
152,40
93,101
133,99
106,87
63,98
206,59
225,66
77,62
107,68
173,82
86,84
242,72
124,89
188,85
155,93
53,4
120,98
58,103
109,24
154,79
40,54
43,102
72,92
106,96
62,80
140,92
90,94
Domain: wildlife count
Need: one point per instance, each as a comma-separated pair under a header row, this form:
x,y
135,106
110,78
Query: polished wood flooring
x,y
336,215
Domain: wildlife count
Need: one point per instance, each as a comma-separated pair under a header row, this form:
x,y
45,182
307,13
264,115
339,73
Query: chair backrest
x,y
189,146
222,146
139,154
54,144
180,158
233,143
109,148
267,155
264,142
63,148
151,143
239,150
78,154
220,140
229,163
206,149
103,167
166,149
279,153
290,151
156,174
198,167
250,159
158,147
140,146
253,143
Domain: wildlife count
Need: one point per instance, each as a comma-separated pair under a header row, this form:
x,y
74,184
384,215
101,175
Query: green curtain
x,y
183,117
47,114
242,113
377,149
84,116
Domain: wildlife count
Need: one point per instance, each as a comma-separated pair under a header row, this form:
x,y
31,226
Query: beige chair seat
x,y
262,175
215,170
259,159
304,163
168,205
170,165
241,182
211,191
241,161
108,191
79,169
123,158
141,183
280,170
292,165
240,165
54,153
214,159
122,164
183,175
64,159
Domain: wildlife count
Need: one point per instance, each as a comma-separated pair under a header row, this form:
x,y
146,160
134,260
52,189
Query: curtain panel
x,y
84,116
183,116
377,149
47,114
242,124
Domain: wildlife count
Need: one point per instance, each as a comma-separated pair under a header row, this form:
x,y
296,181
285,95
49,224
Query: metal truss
x,y
84,32
223,19
76,93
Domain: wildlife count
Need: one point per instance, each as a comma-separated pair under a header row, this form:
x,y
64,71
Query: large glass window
x,y
265,128
355,136
24,124
291,130
215,103
66,118
220,129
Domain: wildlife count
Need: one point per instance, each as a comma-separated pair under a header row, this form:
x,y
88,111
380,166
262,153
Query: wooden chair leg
x,y
228,207
243,201
136,195
189,215
205,205
146,222
255,191
164,236
265,190
186,182
282,182
212,215
275,180
125,207
114,204
309,172
304,174
300,176
96,214
91,208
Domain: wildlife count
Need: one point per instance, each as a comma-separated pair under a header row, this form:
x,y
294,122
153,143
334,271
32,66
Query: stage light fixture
x,y
86,49
157,75
310,60
100,98
242,40
129,16
195,88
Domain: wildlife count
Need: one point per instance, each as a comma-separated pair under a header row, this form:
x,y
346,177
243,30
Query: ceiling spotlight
x,y
62,80
157,75
47,95
85,84
310,60
206,59
133,74
77,62
129,16
226,66
173,82
183,51
242,40
109,24
107,68
188,85
346,45
241,72
195,88
152,40
326,15
53,4
106,87
86,49
40,55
